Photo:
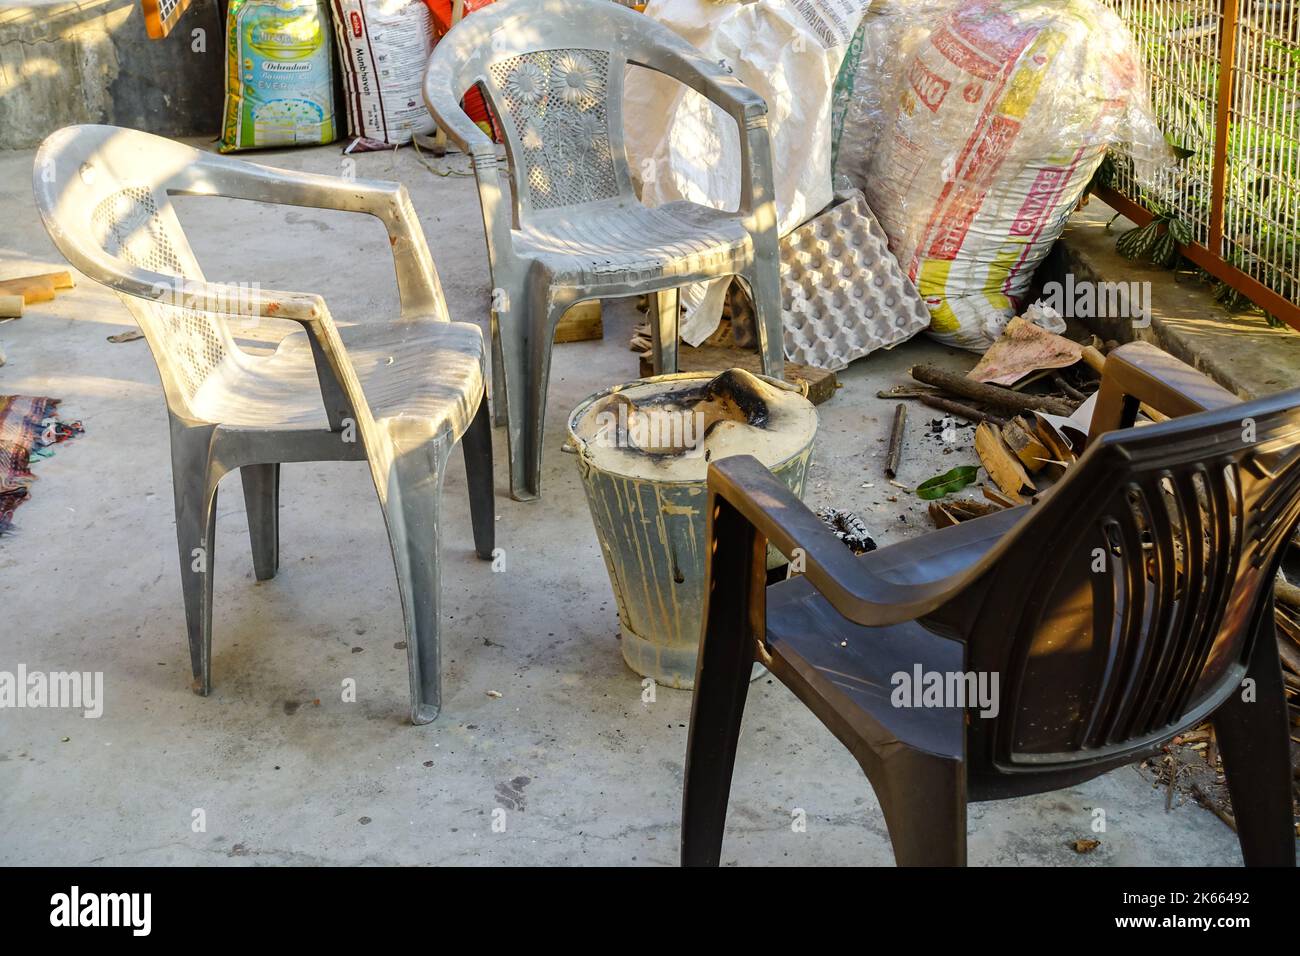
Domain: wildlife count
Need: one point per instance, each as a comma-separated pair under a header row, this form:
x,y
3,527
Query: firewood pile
x,y
1025,436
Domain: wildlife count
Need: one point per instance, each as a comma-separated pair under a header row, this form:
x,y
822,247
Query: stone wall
x,y
91,62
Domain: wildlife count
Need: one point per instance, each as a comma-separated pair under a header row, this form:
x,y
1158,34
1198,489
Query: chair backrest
x,y
1125,606
553,73
102,192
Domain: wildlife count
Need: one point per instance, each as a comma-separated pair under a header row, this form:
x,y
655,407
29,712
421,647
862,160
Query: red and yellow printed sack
x,y
973,129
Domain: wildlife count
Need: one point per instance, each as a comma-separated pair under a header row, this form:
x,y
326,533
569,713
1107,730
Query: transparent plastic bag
x,y
973,127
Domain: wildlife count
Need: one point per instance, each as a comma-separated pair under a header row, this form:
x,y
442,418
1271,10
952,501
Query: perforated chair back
x,y
553,73
1124,606
103,192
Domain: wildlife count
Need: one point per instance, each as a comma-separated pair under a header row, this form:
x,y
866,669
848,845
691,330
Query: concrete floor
x,y
586,772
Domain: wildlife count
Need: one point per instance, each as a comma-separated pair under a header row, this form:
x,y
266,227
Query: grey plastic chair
x,y
553,72
397,395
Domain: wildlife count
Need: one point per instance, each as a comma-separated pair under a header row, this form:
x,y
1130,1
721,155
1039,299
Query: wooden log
x,y
37,288
960,410
1214,807
1093,358
955,510
1060,454
1070,391
11,306
941,516
1000,398
1286,592
1021,439
896,441
906,391
1288,641
998,498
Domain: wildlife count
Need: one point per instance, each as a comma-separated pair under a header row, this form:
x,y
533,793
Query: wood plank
x,y
582,323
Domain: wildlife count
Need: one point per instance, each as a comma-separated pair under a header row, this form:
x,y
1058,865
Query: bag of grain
x,y
384,46
973,127
279,75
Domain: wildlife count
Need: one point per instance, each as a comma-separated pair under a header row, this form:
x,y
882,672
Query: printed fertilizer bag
x,y
279,75
973,128
384,46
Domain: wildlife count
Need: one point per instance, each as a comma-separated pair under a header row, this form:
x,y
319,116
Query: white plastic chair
x,y
553,72
398,395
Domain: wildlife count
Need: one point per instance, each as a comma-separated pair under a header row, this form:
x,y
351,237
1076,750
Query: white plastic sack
x,y
384,46
973,126
681,146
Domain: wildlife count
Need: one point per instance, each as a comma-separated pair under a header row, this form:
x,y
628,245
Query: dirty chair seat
x,y
603,243
854,665
431,371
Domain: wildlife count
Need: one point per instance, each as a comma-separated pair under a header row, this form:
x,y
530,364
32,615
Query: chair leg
x,y
196,513
410,492
764,289
512,389
499,417
735,581
923,798
1253,738
526,467
262,503
665,308
476,443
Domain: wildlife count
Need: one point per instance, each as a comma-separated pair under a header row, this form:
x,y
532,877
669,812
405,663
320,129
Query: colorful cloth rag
x,y
28,430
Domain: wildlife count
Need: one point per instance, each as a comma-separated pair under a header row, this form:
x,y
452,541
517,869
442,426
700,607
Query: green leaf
x,y
1163,250
1181,152
1138,242
947,483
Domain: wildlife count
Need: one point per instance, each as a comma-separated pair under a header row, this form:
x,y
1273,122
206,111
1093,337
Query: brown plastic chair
x,y
1132,601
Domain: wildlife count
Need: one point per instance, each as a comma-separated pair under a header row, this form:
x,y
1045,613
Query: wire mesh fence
x,y
1225,84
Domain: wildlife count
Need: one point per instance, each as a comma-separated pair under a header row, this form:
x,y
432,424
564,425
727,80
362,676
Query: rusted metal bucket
x,y
650,516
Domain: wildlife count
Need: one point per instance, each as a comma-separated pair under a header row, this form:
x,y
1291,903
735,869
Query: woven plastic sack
x,y
682,146
384,46
973,127
279,75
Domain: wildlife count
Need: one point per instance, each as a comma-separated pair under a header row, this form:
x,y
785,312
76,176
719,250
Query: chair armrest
x,y
1139,373
337,379
444,105
676,58
417,280
790,526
